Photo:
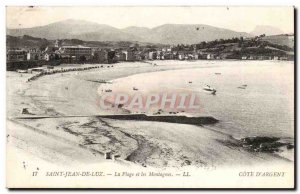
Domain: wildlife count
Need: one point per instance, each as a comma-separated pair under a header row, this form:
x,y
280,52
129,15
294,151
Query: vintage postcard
x,y
150,97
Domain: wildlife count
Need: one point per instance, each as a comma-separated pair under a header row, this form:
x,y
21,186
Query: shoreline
x,y
136,140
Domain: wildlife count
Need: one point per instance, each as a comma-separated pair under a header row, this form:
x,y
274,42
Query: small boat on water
x,y
208,88
242,87
134,88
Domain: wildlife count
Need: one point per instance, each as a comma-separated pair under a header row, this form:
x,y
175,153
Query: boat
x,y
134,88
21,71
242,87
208,88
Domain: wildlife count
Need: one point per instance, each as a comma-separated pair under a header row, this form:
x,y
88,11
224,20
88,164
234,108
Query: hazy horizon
x,y
241,19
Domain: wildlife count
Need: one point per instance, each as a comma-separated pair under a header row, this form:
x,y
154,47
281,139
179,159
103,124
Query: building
x,y
252,57
100,56
120,56
50,54
76,52
57,43
196,56
138,55
111,56
159,55
210,56
129,55
168,56
16,55
152,55
283,58
181,56
34,54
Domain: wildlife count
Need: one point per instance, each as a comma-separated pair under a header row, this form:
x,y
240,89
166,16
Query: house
x,y
252,57
34,54
210,56
190,57
196,56
152,55
49,53
138,56
181,56
16,55
121,56
76,52
159,55
168,56
283,58
99,55
47,56
129,55
244,57
111,56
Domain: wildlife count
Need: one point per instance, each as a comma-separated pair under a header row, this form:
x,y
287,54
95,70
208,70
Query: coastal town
x,y
58,52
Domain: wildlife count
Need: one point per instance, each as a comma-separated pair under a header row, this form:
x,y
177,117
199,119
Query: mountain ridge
x,y
92,31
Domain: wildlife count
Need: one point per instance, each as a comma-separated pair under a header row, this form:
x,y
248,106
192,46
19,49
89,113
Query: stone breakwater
x,y
63,70
168,119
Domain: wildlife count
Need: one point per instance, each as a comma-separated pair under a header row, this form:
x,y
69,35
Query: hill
x,y
34,42
283,39
165,34
267,30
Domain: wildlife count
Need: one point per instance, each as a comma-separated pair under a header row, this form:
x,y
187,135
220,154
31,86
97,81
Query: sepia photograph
x,y
188,97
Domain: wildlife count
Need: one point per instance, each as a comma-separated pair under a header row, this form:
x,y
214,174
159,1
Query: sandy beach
x,y
155,144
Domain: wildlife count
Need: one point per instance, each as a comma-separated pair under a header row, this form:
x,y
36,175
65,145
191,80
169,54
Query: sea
x,y
253,98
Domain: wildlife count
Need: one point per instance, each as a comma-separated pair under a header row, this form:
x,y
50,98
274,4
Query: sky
x,y
243,19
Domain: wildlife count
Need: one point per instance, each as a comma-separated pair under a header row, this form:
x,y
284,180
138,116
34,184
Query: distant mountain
x,y
267,30
74,29
189,33
137,31
165,34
